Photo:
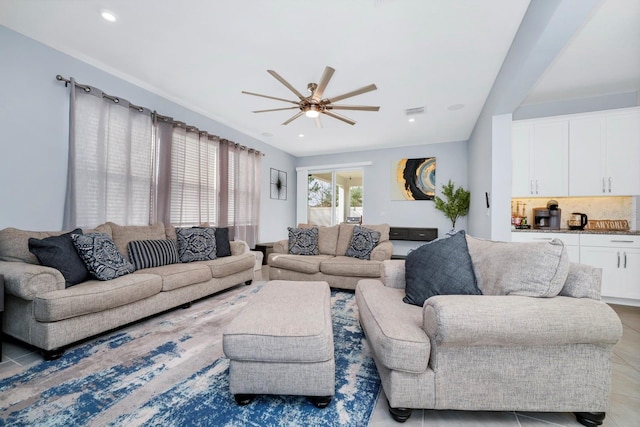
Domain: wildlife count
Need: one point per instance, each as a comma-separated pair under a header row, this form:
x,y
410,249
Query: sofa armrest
x,y
382,251
393,273
481,320
238,247
281,247
26,281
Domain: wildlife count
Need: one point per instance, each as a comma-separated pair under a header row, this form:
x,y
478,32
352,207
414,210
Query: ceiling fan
x,y
314,104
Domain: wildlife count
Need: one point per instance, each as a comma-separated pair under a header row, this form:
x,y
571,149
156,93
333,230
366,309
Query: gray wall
x,y
33,146
451,163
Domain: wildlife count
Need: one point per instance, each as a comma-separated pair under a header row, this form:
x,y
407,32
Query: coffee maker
x,y
547,218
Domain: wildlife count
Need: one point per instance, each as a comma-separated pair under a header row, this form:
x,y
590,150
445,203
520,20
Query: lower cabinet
x,y
619,258
571,241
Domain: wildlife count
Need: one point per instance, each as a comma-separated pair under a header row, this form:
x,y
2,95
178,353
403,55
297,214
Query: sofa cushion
x,y
303,241
327,238
440,267
95,296
223,248
101,256
583,281
226,266
179,275
123,234
299,263
152,253
393,327
349,266
512,268
196,243
362,242
346,234
60,253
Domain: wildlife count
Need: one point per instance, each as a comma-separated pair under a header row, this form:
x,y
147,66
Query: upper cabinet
x,y
590,154
604,153
540,158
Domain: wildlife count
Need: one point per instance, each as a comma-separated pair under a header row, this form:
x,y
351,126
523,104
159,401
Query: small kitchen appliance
x,y
547,218
577,221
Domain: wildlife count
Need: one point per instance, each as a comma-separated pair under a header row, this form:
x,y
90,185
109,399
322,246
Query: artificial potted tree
x,y
456,204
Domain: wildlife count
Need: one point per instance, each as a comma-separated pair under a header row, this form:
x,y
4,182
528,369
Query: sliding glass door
x,y
334,196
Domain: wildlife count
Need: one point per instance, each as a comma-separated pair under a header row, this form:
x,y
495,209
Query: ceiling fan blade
x,y
318,122
270,97
276,109
339,117
322,84
286,83
352,107
360,91
293,118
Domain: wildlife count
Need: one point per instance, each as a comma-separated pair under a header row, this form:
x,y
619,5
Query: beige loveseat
x,y
331,265
41,311
526,344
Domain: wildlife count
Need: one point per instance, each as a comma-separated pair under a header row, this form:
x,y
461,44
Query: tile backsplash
x,y
623,207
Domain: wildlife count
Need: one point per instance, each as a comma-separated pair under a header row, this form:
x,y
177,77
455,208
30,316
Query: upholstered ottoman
x,y
282,343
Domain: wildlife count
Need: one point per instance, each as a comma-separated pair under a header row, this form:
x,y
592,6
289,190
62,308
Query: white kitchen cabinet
x,y
540,149
619,258
571,241
604,153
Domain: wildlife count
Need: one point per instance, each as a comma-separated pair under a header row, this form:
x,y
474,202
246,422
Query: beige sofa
x,y
331,265
40,311
500,351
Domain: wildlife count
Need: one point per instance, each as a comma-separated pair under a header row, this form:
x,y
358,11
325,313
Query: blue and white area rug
x,y
170,371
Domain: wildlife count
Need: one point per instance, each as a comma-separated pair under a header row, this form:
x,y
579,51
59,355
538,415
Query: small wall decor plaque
x,y
413,179
278,184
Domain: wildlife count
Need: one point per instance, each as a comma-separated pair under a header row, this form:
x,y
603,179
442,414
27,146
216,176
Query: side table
x,y
266,249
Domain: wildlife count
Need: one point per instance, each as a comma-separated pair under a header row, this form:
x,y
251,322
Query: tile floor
x,y
625,394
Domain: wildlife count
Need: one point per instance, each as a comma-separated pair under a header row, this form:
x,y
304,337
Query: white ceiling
x,y
433,54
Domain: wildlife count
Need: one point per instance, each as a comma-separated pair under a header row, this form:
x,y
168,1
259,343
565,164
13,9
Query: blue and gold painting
x,y
413,179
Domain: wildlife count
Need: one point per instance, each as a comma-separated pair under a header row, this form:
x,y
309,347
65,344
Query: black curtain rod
x,y
160,117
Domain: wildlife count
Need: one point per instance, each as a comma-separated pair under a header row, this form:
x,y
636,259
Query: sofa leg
x,y
248,282
186,305
243,399
54,354
590,418
400,414
320,401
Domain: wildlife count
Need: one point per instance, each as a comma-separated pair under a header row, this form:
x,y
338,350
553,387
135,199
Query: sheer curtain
x,y
110,171
244,169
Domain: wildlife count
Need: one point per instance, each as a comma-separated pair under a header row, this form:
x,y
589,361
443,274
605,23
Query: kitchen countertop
x,y
567,231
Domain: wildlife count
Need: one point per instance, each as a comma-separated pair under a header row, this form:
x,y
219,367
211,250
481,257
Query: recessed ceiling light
x,y
301,135
455,107
107,15
411,120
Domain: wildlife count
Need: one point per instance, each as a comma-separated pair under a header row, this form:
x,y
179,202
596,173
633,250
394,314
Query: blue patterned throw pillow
x,y
362,242
152,253
101,256
196,243
303,241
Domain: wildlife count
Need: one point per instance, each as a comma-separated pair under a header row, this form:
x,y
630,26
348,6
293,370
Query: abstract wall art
x,y
413,179
278,184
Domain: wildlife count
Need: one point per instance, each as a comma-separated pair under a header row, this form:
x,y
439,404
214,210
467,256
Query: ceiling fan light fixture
x,y
312,112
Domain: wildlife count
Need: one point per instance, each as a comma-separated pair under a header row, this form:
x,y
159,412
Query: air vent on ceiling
x,y
414,111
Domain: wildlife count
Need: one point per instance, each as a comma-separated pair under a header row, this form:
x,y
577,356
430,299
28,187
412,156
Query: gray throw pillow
x,y
362,242
152,253
60,253
440,267
223,247
303,241
101,256
196,243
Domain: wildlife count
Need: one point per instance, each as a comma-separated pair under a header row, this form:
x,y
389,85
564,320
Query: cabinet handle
x,y
618,259
625,260
603,185
542,238
609,184
621,241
